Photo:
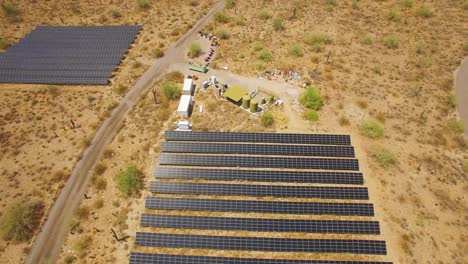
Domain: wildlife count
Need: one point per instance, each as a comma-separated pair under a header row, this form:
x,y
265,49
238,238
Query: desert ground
x,y
388,61
40,123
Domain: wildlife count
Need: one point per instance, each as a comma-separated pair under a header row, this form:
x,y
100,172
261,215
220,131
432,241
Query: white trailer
x,y
184,105
188,87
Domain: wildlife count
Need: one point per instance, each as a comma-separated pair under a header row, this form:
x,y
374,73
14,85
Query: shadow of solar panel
x,y
273,207
258,137
373,247
258,162
260,224
146,258
283,150
67,54
261,176
355,193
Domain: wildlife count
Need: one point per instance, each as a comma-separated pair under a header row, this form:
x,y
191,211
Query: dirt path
x,y
461,90
47,245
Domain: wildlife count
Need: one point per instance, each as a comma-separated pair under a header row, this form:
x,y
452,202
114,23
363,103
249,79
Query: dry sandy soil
x,y
36,120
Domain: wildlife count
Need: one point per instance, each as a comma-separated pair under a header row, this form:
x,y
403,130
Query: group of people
x,y
214,43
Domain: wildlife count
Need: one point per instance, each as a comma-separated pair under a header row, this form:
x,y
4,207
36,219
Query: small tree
x,y
311,98
170,90
194,50
129,181
21,220
267,119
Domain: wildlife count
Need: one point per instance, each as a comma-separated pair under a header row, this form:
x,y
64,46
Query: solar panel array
x,y
269,166
67,55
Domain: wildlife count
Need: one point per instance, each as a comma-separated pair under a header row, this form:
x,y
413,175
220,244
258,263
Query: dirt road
x,y
47,245
461,90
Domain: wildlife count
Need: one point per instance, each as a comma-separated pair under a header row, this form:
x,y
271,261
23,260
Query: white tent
x,y
184,105
188,87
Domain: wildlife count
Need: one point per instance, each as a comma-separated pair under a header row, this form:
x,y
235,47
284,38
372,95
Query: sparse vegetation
x,y
116,13
424,11
171,90
230,4
465,166
265,55
264,15
393,15
372,129
367,40
194,50
158,53
408,3
452,101
267,119
10,10
221,17
458,125
391,41
311,98
312,115
465,4
143,4
383,156
21,220
129,181
82,212
278,24
223,34
296,51
343,121
317,38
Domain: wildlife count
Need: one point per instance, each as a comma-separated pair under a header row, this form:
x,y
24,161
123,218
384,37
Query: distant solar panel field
x,y
67,55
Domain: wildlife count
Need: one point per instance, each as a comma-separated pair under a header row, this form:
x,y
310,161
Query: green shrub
x,y
260,66
355,4
312,115
240,21
223,34
367,40
296,51
3,44
407,3
265,55
465,4
267,119
452,101
158,53
424,11
423,62
317,38
372,129
458,125
221,17
311,98
278,24
21,220
69,259
143,4
194,50
171,90
258,46
393,15
116,14
10,10
384,157
129,181
230,4
264,15
174,76
391,41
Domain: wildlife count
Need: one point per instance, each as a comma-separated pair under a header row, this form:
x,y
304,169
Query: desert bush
x,y
423,62
312,115
221,17
194,2
265,55
194,50
391,41
223,34
421,48
355,4
278,24
116,14
240,21
452,101
317,38
230,4
264,15
331,2
3,44
261,65
10,10
267,119
174,76
158,53
129,181
362,104
311,98
121,89
82,212
143,4
465,46
343,121
372,129
465,4
458,125
69,259
393,15
424,11
384,157
20,221
407,3
99,203
296,51
367,40
171,90
100,168
53,90
258,46
81,245
465,166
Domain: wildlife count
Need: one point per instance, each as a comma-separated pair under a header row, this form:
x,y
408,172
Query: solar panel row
x,y
356,193
146,258
260,224
331,177
258,137
258,162
256,149
245,206
67,55
374,247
